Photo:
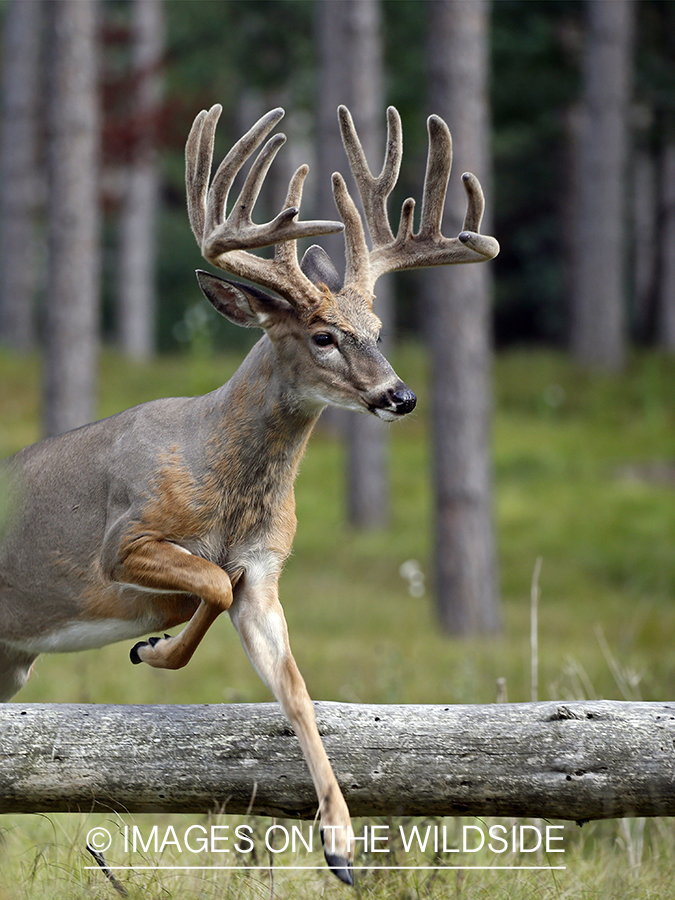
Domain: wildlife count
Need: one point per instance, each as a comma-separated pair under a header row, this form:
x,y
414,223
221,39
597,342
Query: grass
x,y
584,470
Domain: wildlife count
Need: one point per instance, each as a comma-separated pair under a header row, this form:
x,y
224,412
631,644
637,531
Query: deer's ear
x,y
318,267
242,304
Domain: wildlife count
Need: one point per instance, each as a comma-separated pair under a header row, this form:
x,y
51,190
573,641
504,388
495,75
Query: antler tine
x,y
198,159
357,269
408,250
285,252
436,177
226,239
475,205
238,235
374,191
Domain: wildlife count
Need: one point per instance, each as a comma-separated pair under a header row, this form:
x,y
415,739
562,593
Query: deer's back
x,y
62,500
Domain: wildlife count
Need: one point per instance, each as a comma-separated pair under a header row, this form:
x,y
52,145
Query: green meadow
x,y
584,474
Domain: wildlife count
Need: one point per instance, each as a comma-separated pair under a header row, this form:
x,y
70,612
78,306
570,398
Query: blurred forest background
x,y
565,110
159,63
545,427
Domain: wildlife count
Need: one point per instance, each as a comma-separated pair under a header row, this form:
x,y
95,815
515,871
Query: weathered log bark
x,y
577,760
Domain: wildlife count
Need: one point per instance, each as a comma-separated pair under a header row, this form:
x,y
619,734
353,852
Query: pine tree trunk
x,y
73,219
19,173
138,219
598,302
645,242
665,326
458,315
350,37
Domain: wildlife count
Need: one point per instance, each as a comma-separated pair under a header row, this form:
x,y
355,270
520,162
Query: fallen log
x,y
566,760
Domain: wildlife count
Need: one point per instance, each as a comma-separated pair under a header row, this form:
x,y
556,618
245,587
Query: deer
x,y
177,510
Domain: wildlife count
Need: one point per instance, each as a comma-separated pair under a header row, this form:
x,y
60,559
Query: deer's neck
x,y
258,434
262,412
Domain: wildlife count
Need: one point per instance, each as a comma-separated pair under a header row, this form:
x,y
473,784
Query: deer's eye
x,y
323,339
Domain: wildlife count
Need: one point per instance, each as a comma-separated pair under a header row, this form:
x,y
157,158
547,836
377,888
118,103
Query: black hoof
x,y
133,653
339,865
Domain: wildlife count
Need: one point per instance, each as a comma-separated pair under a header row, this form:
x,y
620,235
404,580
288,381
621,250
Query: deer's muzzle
x,y
395,402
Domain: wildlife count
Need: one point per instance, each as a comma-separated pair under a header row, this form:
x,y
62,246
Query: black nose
x,y
403,399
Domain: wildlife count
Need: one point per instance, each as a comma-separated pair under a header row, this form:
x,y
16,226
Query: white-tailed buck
x,y
180,509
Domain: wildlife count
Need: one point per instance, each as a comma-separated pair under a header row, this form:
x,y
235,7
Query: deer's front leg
x,y
259,619
161,565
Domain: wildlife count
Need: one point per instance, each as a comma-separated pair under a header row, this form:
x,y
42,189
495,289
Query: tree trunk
x,y
458,316
598,302
579,760
665,326
350,39
73,217
138,218
19,173
645,238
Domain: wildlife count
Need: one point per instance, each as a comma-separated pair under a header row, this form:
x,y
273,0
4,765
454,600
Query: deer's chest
x,y
256,527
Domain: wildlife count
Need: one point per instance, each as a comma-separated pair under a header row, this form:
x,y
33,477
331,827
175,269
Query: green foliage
x,y
231,51
225,50
535,80
273,43
263,52
220,51
585,475
655,79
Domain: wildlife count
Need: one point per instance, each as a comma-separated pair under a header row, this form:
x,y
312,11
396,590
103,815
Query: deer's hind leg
x,y
15,669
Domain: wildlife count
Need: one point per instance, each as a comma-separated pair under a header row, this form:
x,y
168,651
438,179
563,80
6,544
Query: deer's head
x,y
323,327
